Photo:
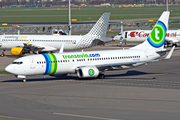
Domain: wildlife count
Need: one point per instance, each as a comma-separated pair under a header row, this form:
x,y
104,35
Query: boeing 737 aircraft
x,y
21,44
172,36
95,63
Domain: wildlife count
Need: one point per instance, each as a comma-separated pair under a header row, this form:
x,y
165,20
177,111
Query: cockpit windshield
x,y
119,34
17,63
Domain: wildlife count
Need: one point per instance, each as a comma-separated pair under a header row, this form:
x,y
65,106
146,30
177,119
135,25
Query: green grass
x,y
4,72
52,14
60,14
175,20
174,26
108,32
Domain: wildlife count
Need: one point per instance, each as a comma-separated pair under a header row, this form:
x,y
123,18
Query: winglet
x,y
170,53
62,48
27,43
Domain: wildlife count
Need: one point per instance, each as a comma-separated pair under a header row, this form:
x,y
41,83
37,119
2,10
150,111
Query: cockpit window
x,y
17,63
119,34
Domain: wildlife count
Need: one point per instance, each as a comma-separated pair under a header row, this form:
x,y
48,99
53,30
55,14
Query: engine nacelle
x,y
85,72
17,51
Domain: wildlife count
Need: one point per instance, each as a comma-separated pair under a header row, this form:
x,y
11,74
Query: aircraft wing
x,y
132,64
101,40
173,40
33,47
121,65
106,39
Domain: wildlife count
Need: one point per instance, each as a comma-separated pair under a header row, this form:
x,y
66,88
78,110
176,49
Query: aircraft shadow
x,y
59,78
131,73
42,79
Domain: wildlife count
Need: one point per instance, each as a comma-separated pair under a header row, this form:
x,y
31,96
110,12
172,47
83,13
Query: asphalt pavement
x,y
148,92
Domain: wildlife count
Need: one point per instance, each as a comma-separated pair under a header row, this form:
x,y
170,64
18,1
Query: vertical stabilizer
x,y
156,38
101,26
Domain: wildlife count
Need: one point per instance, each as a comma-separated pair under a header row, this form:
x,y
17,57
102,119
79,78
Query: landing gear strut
x,y
2,51
123,43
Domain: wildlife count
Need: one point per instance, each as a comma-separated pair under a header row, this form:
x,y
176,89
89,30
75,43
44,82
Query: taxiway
x,y
147,92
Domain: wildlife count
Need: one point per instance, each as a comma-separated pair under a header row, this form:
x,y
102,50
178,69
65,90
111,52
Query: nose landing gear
x,y
24,80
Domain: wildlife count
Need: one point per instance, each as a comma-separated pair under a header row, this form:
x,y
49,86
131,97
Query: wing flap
x,y
34,47
130,64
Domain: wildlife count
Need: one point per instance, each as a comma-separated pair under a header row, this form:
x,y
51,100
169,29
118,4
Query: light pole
x,y
69,17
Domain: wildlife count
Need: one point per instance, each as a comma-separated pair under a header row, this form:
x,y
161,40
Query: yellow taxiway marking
x,y
15,118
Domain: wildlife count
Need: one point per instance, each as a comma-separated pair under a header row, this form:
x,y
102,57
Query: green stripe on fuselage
x,y
54,63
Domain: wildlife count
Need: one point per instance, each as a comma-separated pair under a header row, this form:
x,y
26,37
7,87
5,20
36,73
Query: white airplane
x,y
172,36
95,63
21,44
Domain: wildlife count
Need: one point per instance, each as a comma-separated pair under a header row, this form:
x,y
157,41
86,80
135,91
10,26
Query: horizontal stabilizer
x,y
62,48
173,40
170,53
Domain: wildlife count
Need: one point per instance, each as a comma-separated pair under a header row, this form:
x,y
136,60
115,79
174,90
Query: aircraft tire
x,y
101,76
2,55
175,44
24,80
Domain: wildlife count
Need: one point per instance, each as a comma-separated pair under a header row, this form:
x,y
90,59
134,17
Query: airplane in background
x,y
95,63
172,36
21,44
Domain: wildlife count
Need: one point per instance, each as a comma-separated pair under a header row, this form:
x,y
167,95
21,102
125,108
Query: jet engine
x,y
19,51
84,72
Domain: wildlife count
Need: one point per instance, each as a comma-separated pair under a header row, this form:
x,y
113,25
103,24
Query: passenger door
x,y
32,63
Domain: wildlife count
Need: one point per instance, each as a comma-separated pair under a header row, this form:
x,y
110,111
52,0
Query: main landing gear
x,y
101,76
168,43
2,53
174,44
123,43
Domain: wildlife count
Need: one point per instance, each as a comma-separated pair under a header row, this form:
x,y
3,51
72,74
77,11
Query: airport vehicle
x,y
95,63
58,32
21,44
172,36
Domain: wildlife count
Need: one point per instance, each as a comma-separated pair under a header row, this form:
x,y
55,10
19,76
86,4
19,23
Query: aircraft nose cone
x,y
9,69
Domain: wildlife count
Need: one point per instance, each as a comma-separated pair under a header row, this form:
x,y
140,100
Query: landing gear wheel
x,y
2,55
175,44
101,76
166,44
24,80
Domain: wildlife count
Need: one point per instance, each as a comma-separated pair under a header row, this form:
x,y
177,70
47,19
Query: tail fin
x,y
156,38
101,26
